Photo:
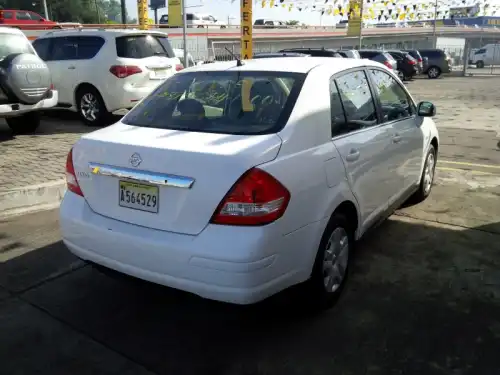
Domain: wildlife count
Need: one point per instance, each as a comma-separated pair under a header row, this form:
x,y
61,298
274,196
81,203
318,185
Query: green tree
x,y
292,23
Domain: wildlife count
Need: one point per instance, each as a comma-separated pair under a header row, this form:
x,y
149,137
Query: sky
x,y
222,9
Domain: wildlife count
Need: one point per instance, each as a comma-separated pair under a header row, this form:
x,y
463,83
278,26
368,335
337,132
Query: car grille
x,y
34,92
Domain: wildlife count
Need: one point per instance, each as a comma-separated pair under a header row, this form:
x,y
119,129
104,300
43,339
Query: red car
x,y
25,20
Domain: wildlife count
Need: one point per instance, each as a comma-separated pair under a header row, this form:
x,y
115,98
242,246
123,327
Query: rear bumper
x,y
231,264
17,109
126,97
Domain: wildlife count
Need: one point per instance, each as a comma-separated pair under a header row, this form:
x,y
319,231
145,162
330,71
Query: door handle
x,y
71,67
397,138
353,155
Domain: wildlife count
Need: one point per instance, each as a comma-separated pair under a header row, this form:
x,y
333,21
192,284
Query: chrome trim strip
x,y
142,176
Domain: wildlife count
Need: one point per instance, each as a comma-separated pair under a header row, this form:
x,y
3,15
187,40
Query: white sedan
x,y
235,182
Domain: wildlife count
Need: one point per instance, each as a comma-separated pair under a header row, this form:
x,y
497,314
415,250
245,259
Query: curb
x,y
33,198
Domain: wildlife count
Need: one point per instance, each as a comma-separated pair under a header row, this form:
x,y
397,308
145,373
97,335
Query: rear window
x,y
142,46
247,103
387,56
432,53
368,54
12,43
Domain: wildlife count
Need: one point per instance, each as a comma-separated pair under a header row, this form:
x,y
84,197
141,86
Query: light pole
x,y
434,36
45,9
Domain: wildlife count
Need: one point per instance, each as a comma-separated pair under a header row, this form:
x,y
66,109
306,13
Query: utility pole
x,y
124,12
45,9
434,35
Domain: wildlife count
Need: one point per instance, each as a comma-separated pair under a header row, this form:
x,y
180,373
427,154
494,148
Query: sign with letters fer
x,y
246,29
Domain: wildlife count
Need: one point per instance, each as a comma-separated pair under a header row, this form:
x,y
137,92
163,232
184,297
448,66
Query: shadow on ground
x,y
421,299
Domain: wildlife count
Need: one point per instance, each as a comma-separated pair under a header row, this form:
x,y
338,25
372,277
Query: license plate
x,y
139,196
158,74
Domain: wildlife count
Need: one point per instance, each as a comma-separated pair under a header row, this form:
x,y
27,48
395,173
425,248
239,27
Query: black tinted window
x,y
12,43
64,48
337,111
7,15
89,46
23,16
357,100
259,22
368,54
432,53
164,18
482,50
220,102
142,46
42,48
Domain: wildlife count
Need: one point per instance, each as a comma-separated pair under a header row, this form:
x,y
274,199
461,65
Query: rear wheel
x,y
24,124
91,107
433,72
330,268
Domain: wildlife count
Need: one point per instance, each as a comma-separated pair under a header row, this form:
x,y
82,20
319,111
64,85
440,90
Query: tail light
x,y
257,198
419,60
388,64
124,71
412,62
71,180
179,67
52,86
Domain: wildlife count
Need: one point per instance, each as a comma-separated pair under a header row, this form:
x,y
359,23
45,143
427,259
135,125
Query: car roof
x,y
284,64
110,32
10,30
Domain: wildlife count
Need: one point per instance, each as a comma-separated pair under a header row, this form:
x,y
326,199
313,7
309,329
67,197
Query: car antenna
x,y
238,61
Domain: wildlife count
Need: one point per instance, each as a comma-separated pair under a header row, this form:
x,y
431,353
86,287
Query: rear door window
x,y
64,48
224,102
357,100
89,46
21,15
142,46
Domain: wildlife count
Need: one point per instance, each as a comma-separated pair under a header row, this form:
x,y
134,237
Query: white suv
x,y
98,72
25,82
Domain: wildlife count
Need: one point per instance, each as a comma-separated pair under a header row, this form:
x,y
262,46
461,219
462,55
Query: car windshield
x,y
220,102
12,43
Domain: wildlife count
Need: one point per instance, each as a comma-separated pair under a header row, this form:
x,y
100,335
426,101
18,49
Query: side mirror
x,y
426,109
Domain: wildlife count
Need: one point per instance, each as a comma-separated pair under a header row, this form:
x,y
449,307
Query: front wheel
x,y
24,124
91,107
480,64
331,264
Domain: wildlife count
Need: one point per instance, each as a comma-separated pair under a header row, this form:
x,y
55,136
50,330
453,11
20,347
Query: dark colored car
x,y
407,65
316,52
417,56
380,56
437,62
278,54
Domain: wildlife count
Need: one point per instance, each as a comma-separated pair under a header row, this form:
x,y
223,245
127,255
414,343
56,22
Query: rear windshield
x,y
142,46
12,43
246,103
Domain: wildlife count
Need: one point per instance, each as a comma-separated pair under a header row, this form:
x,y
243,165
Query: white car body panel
x,y
181,249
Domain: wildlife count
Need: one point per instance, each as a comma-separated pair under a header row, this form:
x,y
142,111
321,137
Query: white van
x,y
487,55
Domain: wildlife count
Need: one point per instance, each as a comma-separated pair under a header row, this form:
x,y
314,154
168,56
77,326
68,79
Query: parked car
x,y
25,82
240,195
437,63
104,71
407,65
417,56
487,55
269,24
179,53
349,53
25,20
382,57
194,20
267,55
316,52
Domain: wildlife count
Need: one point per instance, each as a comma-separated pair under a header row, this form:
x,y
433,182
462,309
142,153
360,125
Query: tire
x,y
91,107
433,72
427,178
320,291
480,64
24,124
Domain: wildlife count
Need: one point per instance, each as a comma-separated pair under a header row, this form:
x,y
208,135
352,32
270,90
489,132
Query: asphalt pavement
x,y
423,296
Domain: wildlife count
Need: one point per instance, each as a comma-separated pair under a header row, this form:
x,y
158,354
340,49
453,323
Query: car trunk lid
x,y
187,174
